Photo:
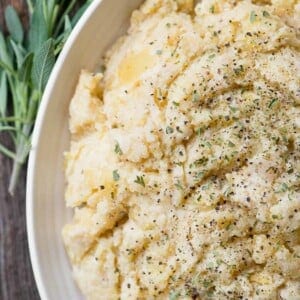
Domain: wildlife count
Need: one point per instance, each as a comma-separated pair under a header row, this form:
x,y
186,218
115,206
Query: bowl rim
x,y
32,162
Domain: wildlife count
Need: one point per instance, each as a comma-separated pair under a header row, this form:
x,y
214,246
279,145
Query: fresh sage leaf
x,y
64,36
14,24
26,67
3,94
43,63
4,54
68,25
80,12
38,31
18,51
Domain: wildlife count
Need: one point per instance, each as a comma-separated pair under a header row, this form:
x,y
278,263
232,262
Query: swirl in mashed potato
x,y
184,167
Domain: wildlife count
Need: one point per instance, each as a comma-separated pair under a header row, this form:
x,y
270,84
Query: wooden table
x,y
16,278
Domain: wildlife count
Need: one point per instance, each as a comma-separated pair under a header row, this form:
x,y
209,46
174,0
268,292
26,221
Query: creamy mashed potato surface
x,y
184,167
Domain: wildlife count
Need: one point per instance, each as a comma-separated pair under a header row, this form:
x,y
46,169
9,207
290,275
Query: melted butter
x,y
134,65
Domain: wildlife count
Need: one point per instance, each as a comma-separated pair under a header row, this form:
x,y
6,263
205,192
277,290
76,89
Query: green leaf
x,y
14,24
266,14
252,16
118,149
7,152
4,54
272,102
60,40
18,51
30,6
7,68
38,31
3,94
140,180
67,25
43,63
80,12
26,67
174,295
116,175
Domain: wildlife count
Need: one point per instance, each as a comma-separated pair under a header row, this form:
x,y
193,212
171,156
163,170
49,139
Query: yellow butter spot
x,y
261,278
134,65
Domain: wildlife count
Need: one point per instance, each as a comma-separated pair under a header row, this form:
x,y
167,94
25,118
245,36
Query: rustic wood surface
x,y
16,278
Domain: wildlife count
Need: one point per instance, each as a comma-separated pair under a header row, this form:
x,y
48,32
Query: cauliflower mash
x,y
184,164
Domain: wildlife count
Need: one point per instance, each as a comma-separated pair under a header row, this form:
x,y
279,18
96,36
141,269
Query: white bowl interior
x,y
46,213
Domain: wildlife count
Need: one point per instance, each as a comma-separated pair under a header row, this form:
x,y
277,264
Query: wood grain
x,y
16,279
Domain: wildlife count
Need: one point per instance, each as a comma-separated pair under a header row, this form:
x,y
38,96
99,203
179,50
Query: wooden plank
x,y
16,278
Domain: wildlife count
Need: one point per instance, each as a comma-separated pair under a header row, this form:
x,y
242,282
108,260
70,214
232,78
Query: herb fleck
x,y
266,14
253,16
116,175
231,144
118,149
179,186
273,101
140,180
169,130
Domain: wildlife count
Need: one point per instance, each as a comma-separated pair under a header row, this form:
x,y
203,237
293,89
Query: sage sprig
x,y
26,62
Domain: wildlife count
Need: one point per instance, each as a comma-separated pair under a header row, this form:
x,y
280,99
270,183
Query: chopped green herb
x,y
175,103
228,226
239,70
205,187
140,180
273,101
196,96
208,144
266,14
284,187
227,192
199,175
169,130
212,56
212,9
116,175
253,16
118,149
200,131
233,109
201,161
231,144
206,283
179,186
159,52
174,295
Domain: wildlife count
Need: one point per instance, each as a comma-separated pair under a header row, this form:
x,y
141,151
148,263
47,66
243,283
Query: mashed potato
x,y
184,167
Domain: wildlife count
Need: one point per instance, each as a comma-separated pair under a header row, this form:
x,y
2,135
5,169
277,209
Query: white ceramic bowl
x,y
100,26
